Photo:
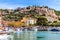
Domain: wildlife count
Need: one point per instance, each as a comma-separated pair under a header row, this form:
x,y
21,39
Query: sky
x,y
12,4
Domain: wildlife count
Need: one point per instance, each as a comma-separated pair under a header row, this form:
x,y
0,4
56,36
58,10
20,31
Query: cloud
x,y
10,6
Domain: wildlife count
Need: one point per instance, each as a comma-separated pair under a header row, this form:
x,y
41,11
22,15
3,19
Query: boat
x,y
54,30
19,30
34,29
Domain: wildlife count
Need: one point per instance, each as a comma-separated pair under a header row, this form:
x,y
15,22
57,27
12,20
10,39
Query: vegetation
x,y
42,21
14,16
57,13
17,15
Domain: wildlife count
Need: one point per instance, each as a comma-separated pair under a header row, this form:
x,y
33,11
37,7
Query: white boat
x,y
11,31
35,29
19,30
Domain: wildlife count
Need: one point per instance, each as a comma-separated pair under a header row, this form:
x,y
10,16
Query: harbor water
x,y
32,35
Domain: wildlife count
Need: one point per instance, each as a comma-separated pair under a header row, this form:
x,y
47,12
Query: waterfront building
x,y
29,21
1,20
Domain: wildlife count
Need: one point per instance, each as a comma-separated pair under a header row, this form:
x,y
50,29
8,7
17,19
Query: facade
x,y
29,21
0,21
3,22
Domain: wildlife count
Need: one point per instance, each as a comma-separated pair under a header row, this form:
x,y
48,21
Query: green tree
x,y
42,21
57,12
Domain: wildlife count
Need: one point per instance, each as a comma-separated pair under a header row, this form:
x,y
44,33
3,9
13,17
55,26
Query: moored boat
x,y
54,30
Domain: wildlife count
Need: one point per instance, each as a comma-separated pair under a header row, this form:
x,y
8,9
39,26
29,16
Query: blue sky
x,y
12,4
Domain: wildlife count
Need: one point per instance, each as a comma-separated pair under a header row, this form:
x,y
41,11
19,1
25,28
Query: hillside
x,y
57,13
30,11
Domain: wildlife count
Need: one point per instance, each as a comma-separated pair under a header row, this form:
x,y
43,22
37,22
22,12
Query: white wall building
x,y
30,21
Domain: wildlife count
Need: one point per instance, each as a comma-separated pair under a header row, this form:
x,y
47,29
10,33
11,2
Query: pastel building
x,y
29,20
0,19
3,23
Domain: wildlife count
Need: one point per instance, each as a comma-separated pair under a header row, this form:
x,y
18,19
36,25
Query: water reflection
x,y
6,37
48,35
28,35
32,35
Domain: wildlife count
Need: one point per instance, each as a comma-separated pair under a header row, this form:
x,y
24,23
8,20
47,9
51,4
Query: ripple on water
x,y
40,35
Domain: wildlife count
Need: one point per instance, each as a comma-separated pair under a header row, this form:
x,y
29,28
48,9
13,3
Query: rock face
x,y
44,11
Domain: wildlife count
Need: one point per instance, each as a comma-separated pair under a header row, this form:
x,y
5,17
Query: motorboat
x,y
34,29
54,30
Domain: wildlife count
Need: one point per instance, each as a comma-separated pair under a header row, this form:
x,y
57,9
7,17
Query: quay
x,y
47,28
